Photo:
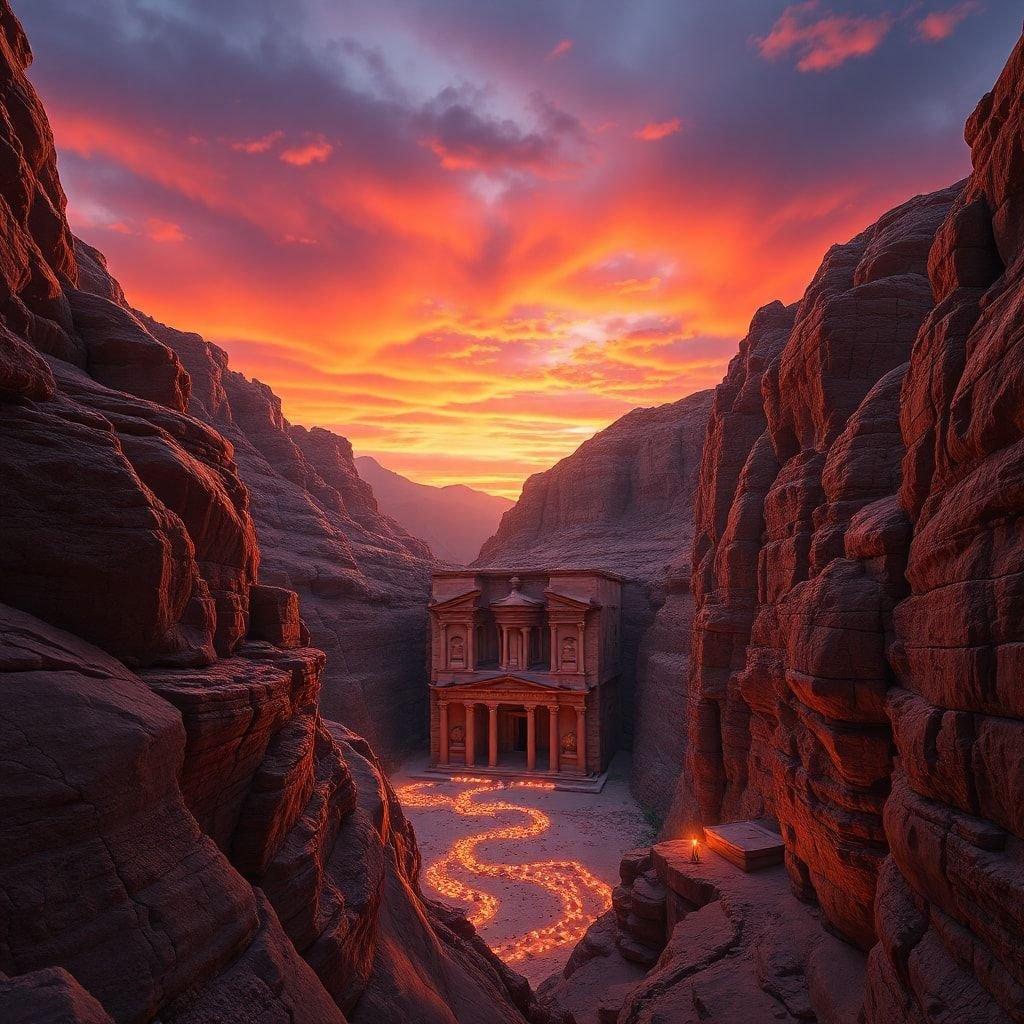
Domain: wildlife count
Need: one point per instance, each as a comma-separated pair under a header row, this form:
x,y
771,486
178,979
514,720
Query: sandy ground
x,y
592,829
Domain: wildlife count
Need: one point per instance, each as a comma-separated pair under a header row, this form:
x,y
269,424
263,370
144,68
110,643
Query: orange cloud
x,y
316,151
823,42
654,130
939,25
475,282
164,230
257,145
560,49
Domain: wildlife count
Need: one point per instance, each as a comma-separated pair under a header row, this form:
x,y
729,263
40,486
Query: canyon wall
x,y
856,669
363,580
797,570
623,501
184,836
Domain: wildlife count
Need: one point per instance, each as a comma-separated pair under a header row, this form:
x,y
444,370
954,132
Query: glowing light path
x,y
581,895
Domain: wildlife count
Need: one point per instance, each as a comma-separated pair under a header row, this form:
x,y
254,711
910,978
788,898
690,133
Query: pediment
x,y
569,603
460,603
502,684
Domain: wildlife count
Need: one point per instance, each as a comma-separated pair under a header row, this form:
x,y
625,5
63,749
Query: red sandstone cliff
x,y
362,579
855,664
183,835
623,501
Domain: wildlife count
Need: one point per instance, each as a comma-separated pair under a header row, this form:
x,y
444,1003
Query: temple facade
x,y
524,670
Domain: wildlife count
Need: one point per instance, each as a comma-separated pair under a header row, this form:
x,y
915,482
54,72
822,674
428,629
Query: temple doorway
x,y
519,731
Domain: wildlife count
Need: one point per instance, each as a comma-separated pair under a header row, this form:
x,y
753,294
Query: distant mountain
x,y
453,520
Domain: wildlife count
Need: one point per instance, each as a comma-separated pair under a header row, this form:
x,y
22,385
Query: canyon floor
x,y
546,868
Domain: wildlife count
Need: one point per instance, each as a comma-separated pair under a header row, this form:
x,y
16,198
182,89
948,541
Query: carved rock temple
x,y
524,671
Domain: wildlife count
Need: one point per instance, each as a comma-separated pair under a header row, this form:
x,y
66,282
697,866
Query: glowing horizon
x,y
469,237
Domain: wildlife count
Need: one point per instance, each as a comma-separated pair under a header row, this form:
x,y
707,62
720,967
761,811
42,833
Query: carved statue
x,y
569,743
456,734
457,651
569,651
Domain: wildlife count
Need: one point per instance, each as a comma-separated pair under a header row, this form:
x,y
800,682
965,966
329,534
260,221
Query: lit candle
x,y
694,851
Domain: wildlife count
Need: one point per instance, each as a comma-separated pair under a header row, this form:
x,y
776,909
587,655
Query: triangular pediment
x,y
461,602
556,600
500,684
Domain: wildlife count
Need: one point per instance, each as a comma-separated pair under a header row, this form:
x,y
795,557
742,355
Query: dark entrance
x,y
519,733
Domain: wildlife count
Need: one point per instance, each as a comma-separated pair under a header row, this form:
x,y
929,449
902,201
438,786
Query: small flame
x,y
581,894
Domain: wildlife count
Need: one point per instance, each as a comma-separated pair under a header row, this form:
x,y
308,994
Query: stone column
x,y
531,738
444,645
492,735
553,740
582,653
581,739
471,647
556,662
503,645
444,731
525,634
470,733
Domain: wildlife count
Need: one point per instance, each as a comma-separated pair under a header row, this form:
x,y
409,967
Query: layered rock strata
x,y
183,836
797,570
856,647
362,579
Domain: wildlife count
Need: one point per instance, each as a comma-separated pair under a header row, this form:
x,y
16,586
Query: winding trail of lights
x,y
569,881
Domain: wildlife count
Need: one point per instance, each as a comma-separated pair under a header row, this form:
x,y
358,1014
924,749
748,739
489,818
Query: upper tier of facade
x,y
557,628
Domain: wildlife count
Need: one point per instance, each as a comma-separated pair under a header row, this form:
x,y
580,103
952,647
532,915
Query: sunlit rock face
x,y
950,906
623,501
362,579
797,570
184,836
855,661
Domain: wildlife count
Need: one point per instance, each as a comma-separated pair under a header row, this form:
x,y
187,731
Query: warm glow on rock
x,y
581,895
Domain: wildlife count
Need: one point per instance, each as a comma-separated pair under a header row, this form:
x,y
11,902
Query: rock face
x,y
362,579
796,572
453,520
690,943
950,905
183,835
856,655
623,502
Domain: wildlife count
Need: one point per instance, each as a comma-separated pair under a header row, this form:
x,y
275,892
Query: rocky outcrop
x,y
856,647
183,836
623,502
689,943
950,905
361,578
798,569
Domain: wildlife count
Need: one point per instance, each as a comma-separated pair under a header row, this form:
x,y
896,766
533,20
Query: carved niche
x,y
457,652
569,651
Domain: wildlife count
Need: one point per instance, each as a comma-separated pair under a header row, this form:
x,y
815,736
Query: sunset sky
x,y
467,235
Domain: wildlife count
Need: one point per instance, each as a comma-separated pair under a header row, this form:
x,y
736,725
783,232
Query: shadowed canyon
x,y
221,633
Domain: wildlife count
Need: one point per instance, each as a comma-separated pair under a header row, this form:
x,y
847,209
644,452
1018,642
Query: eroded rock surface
x,y
855,662
184,837
361,578
623,502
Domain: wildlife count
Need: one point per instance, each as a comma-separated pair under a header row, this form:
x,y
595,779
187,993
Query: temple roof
x,y
516,598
